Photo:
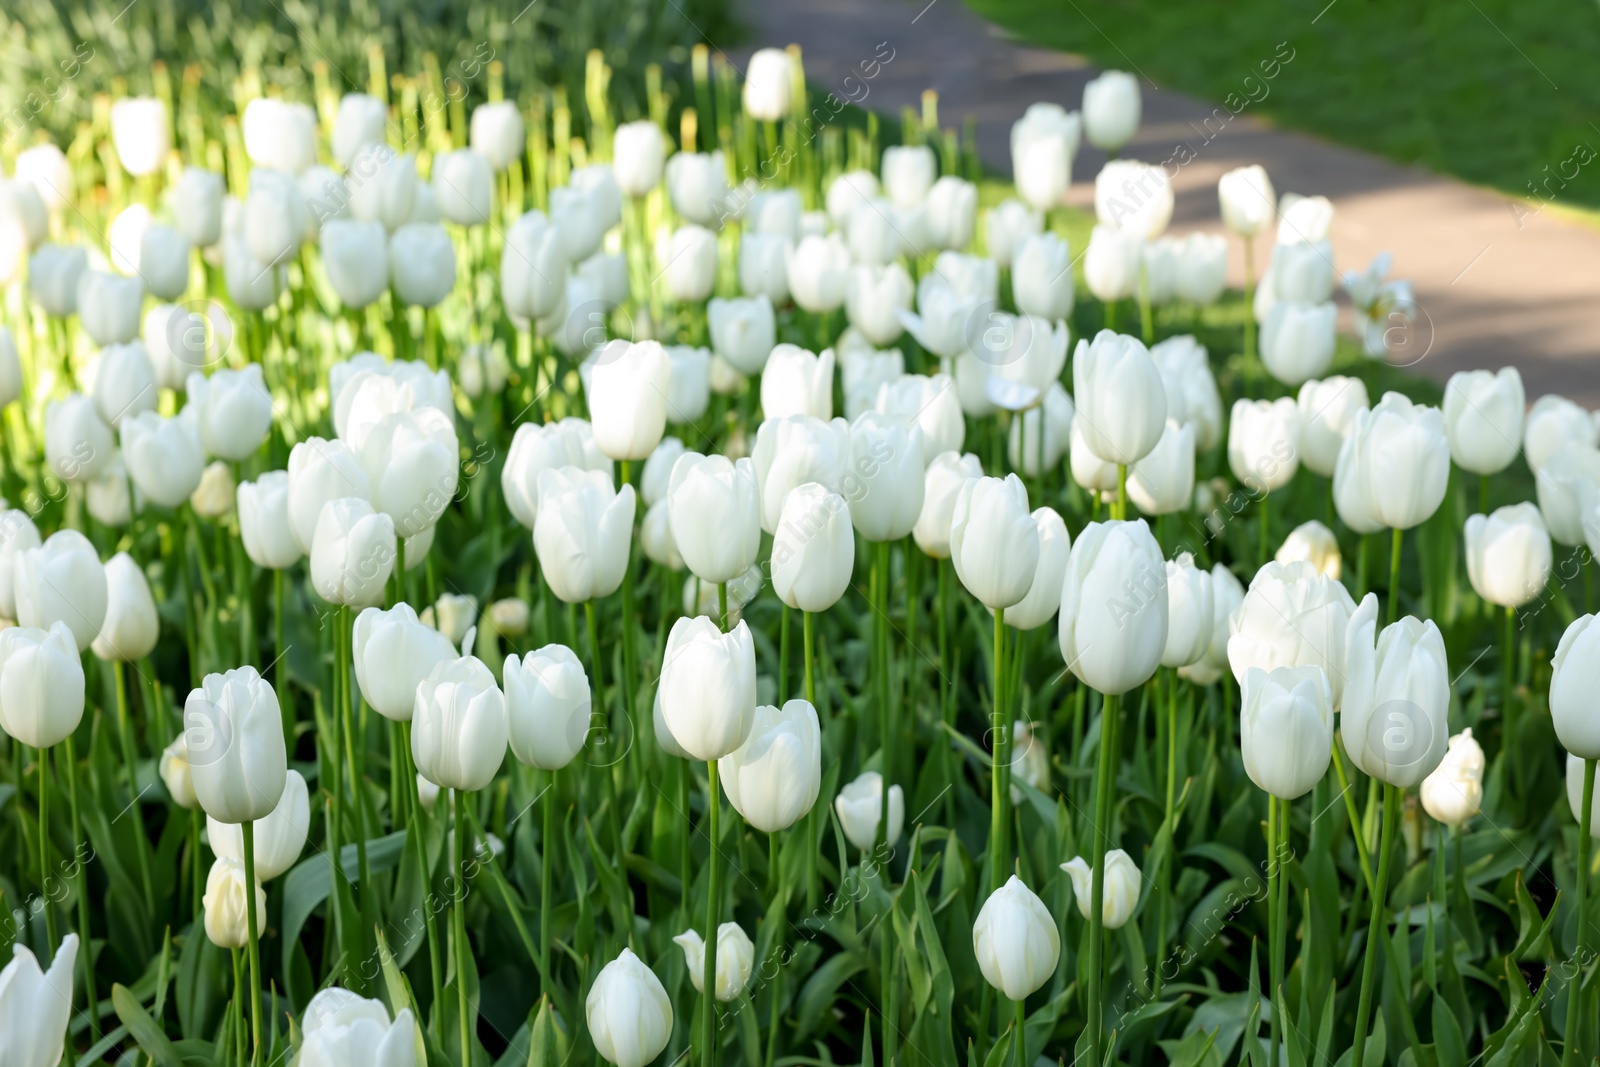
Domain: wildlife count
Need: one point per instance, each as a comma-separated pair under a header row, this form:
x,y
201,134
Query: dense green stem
x,y
1508,676
998,752
1101,831
1378,927
546,868
1249,308
1580,959
808,624
1394,579
248,829
44,850
708,987
125,733
458,913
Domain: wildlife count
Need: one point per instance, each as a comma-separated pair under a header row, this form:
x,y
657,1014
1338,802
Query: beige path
x,y
1498,282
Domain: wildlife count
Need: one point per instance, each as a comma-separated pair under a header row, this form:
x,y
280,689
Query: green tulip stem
x,y
1378,927
708,998
1111,315
783,656
999,750
1101,830
1356,835
1022,1033
236,1009
1249,308
1394,580
44,850
119,671
1172,830
85,957
1362,541
197,874
352,771
1147,319
942,611
881,628
248,829
808,632
1569,1051
1274,964
1120,512
722,605
1266,530
1508,674
625,682
458,915
597,667
546,862
414,833
280,669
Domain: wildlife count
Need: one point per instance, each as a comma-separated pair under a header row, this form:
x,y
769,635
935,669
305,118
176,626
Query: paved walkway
x,y
1497,281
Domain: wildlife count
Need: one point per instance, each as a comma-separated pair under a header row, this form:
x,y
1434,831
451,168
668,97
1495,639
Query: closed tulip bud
x,y
1292,616
1553,423
1327,414
742,332
1574,677
1162,483
655,538
355,255
1302,272
628,398
352,551
252,284
533,267
226,907
547,705
361,120
1453,793
131,625
321,471
885,477
1567,484
859,806
715,509
697,184
628,1012
509,616
1041,277
638,150
464,186
422,263
877,299
1303,218
41,683
1190,388
10,369
797,382
459,725
1007,226
952,211
1134,198
53,275
176,339
535,448
1015,941
1226,593
1043,598
275,216
1119,893
279,836
394,653
108,306
818,271
1286,728
657,476
582,533
1111,263
24,224
994,540
453,614
1121,400
1248,202
708,696
774,777
174,769
864,370
163,456
1575,773
908,173
768,83
124,382
1088,469
345,1036
45,167
17,535
497,133
1043,144
813,548
974,277
1508,555
1313,543
235,411
37,1005
1393,720
1264,443
1114,606
1110,110
792,451
280,135
763,270
690,259
62,580
264,522
1202,268
942,483
326,196
236,752
932,406
413,463
1399,464
1297,341
1189,612
141,134
197,206
1483,414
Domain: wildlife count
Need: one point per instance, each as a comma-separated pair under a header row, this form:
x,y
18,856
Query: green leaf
x,y
144,1029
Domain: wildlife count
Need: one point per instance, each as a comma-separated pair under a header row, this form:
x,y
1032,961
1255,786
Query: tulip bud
x,y
131,625
497,133
53,275
797,382
1133,197
1043,599
876,299
735,959
1111,263
763,270
1553,423
994,541
279,836
38,1004
1248,201
813,548
340,1029
1007,226
393,654
742,332
163,456
10,369
1114,606
1453,793
1508,555
885,477
1567,484
859,806
548,706
1399,462
690,259
360,121
865,370
768,82
628,398
280,135
628,1012
197,206
1226,594
1189,612
352,551
582,533
264,522
1015,941
535,448
17,535
818,271
1121,400
108,306
459,726
1574,671
1286,728
1575,773
62,580
1264,443
321,471
174,768
45,168
638,151
1393,719
1202,268
1303,218
1110,112
1088,469
1327,414
41,683
141,134
234,731
412,461
908,173
942,482
235,411
124,382
227,916
1297,341
1041,277
1313,543
657,476
951,212
774,777
708,687
715,510
252,284
356,258
698,186
275,216
1483,415
464,186
1292,616
1162,482
422,263
1119,893
1043,144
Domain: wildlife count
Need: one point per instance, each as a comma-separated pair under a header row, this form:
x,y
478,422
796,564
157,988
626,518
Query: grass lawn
x,y
1491,91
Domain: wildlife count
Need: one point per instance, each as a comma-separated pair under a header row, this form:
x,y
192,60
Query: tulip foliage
x,y
678,570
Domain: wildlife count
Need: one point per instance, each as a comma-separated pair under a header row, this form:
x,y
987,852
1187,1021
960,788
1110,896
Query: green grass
x,y
1491,91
